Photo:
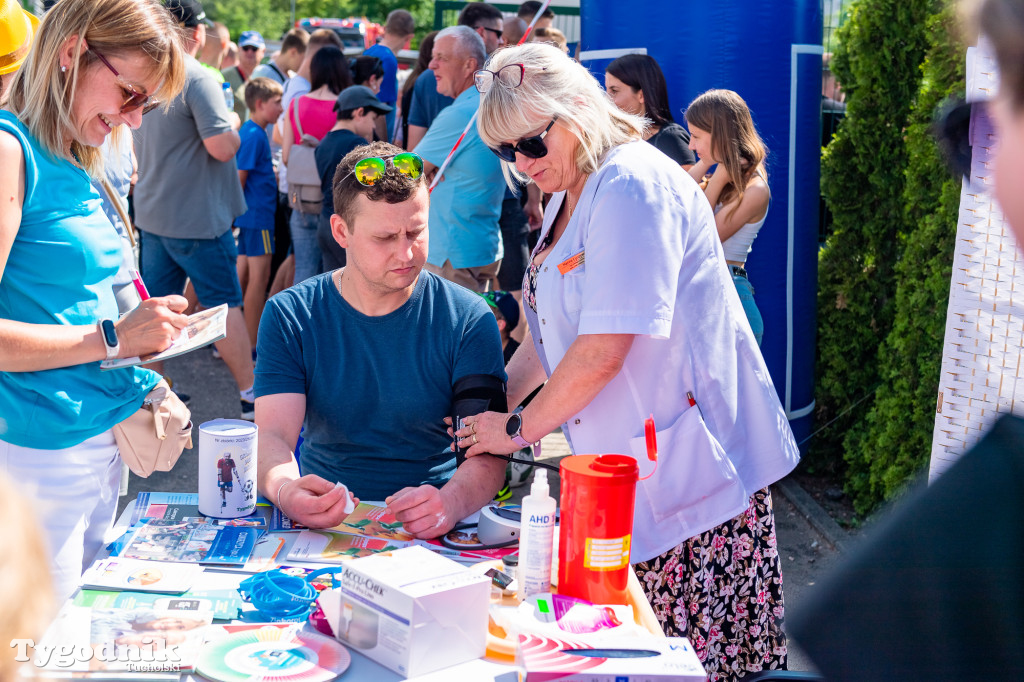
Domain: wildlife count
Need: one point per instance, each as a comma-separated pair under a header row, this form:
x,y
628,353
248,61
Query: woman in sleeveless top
x,y
329,75
723,134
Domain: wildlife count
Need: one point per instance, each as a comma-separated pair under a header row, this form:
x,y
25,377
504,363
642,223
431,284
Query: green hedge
x,y
882,46
893,443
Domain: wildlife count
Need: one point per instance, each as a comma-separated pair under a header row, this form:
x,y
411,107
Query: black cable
x,y
510,458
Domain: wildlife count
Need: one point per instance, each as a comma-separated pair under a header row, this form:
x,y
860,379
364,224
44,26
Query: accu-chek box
x,y
413,611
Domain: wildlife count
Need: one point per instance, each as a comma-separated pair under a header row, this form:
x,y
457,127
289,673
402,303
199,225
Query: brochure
x,y
330,547
120,573
191,542
184,508
266,651
223,604
132,643
373,522
203,328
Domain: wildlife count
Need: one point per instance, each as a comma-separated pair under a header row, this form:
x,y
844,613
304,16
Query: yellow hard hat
x,y
16,30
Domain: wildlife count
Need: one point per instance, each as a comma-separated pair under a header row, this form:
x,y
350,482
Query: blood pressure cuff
x,y
474,394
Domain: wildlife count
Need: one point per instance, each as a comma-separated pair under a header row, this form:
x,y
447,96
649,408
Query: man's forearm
x,y
474,484
276,464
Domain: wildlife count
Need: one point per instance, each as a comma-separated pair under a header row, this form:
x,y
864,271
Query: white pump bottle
x,y
535,538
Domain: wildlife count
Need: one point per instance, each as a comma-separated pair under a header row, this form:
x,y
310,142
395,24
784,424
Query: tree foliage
x,y
893,443
882,46
273,17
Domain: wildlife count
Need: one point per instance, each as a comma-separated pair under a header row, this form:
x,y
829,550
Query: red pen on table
x,y
140,287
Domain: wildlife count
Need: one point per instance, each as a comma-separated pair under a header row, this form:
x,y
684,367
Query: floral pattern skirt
x,y
722,590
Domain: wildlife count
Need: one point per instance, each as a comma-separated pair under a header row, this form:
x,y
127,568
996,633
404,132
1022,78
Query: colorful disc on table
x,y
273,654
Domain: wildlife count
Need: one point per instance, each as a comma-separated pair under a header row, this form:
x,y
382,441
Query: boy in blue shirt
x,y
259,184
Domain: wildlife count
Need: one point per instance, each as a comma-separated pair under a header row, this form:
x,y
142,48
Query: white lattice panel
x,y
982,359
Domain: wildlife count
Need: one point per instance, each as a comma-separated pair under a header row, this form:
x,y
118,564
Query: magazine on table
x,y
184,508
120,573
129,644
332,547
223,604
202,329
190,542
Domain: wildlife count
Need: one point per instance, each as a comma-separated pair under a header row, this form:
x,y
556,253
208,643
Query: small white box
x,y
412,610
648,659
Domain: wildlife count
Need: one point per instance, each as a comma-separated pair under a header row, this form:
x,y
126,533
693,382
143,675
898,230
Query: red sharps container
x,y
596,526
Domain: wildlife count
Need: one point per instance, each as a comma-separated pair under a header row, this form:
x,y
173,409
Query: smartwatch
x,y
514,430
109,335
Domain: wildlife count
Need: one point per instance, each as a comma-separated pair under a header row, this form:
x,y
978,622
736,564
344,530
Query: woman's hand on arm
x,y
589,364
311,500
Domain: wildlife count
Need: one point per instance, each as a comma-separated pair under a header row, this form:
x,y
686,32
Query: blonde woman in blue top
x,y
95,66
722,133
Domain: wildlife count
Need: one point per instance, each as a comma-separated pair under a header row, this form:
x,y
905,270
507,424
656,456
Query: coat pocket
x,y
692,467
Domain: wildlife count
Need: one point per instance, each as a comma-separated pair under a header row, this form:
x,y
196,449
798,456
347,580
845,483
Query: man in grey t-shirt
x,y
187,197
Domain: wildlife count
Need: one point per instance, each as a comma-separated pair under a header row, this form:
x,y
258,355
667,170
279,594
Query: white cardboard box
x,y
670,659
412,610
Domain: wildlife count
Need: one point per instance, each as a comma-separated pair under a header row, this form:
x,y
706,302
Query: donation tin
x,y
227,468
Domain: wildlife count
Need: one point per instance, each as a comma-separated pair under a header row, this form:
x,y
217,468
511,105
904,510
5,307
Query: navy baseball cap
x,y
251,39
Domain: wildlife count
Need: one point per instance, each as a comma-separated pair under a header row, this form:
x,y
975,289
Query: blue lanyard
x,y
280,597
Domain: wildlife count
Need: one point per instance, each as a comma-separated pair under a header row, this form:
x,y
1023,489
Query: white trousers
x,y
74,494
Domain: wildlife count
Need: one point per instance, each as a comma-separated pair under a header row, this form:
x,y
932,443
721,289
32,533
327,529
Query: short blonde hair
x,y
28,605
43,97
554,86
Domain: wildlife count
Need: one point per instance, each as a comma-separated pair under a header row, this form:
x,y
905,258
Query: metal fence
x,y
567,19
833,107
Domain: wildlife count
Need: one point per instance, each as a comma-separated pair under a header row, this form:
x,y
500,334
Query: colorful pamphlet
x,y
223,604
120,573
330,547
203,328
191,543
184,508
373,522
128,643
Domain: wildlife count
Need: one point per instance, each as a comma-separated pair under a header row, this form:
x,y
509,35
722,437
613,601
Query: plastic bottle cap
x,y
620,465
510,560
540,483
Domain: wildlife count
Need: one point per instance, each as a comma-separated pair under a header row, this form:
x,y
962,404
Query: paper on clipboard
x,y
203,328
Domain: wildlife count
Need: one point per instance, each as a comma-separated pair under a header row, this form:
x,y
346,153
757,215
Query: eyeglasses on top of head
x,y
133,98
532,147
370,170
510,75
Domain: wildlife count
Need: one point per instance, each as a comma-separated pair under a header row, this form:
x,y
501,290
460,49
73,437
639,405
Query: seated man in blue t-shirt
x,y
364,359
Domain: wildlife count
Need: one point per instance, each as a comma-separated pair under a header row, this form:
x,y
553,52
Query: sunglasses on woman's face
x,y
532,147
133,98
369,171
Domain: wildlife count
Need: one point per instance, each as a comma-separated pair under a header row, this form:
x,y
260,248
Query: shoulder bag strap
x,y
122,214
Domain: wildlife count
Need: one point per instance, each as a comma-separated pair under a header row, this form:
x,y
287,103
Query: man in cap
x,y
250,53
359,111
17,28
187,197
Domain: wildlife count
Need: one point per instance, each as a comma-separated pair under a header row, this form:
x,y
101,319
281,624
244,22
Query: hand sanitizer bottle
x,y
535,538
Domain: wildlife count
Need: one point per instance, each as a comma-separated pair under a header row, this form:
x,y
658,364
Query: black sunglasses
x,y
492,30
952,128
532,147
133,98
250,48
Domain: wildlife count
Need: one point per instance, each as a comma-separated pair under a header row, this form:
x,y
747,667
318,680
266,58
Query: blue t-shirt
x,y
261,184
389,86
466,205
427,102
377,388
60,271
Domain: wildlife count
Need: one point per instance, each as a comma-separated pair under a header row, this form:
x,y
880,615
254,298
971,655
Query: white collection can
x,y
227,468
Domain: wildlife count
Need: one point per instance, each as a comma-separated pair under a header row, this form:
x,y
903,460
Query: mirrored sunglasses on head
x,y
369,171
956,126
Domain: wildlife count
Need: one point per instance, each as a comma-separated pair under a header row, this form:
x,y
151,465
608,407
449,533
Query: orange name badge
x,y
571,263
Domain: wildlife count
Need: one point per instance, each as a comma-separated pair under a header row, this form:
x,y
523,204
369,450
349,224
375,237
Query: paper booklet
x,y
184,508
223,604
128,644
331,547
203,328
191,543
119,573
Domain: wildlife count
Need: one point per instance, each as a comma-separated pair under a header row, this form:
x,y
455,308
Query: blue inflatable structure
x,y
770,53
